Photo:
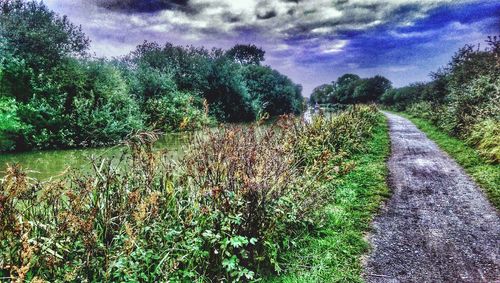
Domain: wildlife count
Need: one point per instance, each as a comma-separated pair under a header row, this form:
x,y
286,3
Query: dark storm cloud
x,y
266,15
144,6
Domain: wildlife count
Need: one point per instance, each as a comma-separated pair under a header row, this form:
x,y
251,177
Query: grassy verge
x,y
334,253
485,174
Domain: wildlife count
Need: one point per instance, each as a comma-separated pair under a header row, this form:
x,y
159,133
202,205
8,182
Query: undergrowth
x,y
228,211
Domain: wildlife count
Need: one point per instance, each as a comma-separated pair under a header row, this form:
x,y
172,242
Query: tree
x,y
104,112
15,77
227,95
370,90
344,88
10,124
323,94
273,92
39,36
246,54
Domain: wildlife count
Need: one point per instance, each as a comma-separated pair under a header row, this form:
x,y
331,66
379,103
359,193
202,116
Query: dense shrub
x,y
484,136
177,111
227,95
225,212
274,93
47,126
104,112
38,35
10,124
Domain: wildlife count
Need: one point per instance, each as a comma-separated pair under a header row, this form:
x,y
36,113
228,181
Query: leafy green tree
x,y
227,95
323,94
146,82
246,54
188,67
38,35
47,125
15,77
371,89
274,93
104,112
344,88
176,111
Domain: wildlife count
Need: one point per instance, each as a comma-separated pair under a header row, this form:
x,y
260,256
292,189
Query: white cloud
x,y
334,47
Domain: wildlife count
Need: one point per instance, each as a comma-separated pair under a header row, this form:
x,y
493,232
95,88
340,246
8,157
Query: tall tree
x,y
246,54
38,35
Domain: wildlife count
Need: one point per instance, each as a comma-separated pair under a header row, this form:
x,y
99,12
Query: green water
x,y
45,164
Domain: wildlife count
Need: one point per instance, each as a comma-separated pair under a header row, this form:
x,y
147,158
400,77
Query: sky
x,y
311,41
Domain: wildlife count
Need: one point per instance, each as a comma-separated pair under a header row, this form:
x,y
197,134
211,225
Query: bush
x,y
47,126
274,93
177,111
227,95
104,112
11,126
484,136
422,109
470,104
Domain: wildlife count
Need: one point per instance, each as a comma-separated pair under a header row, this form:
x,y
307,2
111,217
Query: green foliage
x,y
351,89
345,86
370,90
39,36
104,112
10,124
177,111
46,124
485,137
322,94
227,95
146,82
228,211
400,98
246,54
275,93
15,77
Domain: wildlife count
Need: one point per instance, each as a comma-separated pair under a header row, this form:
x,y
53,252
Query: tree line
x,y
351,89
53,94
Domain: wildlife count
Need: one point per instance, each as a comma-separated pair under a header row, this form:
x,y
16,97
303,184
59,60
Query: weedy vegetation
x,y
228,211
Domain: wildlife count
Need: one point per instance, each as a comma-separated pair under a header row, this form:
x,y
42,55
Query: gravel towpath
x,y
437,226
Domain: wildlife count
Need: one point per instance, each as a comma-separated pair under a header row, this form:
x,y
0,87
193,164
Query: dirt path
x,y
438,226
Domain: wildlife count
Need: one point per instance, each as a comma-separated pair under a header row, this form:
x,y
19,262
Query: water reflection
x,y
49,163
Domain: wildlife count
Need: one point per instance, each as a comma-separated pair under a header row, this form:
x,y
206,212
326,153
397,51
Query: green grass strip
x,y
334,254
487,175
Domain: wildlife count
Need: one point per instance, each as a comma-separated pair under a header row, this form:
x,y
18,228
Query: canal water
x,y
45,164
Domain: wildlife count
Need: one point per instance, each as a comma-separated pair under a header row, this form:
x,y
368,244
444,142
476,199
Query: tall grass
x,y
225,212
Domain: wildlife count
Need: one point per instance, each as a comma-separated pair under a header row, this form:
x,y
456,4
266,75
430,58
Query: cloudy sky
x,y
312,41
